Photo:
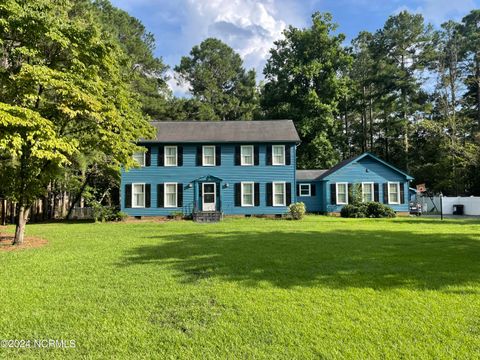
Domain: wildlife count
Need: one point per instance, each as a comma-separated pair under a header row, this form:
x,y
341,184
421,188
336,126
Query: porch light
x,y
190,185
226,185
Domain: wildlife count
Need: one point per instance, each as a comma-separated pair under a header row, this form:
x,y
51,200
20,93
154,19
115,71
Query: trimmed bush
x,y
370,210
353,211
297,210
377,210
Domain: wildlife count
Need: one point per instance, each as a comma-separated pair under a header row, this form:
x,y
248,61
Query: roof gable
x,y
224,131
354,159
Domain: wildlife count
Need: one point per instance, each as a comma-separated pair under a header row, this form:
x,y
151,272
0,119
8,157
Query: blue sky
x,y
251,26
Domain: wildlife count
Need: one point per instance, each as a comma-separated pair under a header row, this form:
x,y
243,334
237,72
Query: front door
x,y
209,197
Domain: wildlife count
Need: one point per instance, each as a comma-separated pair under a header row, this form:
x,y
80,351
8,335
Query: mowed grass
x,y
321,288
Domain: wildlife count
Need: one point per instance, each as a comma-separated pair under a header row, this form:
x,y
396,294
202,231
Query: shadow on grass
x,y
337,259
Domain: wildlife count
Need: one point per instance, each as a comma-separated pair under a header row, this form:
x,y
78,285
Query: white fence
x,y
471,204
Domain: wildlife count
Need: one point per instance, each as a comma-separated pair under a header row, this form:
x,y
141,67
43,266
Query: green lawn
x,y
322,288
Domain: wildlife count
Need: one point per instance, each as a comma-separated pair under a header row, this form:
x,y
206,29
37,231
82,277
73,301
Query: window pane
x,y
209,155
170,155
209,188
367,192
171,195
138,195
279,192
342,193
304,190
278,155
393,192
139,157
247,155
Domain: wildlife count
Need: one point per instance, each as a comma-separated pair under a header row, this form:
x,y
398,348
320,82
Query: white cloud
x,y
179,89
249,26
439,11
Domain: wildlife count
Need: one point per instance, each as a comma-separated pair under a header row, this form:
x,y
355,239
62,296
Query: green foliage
x,y
353,211
221,88
305,81
297,210
64,92
176,214
369,209
147,73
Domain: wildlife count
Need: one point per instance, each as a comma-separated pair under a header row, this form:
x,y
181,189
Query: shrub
x,y
297,210
106,213
370,210
353,211
377,210
176,214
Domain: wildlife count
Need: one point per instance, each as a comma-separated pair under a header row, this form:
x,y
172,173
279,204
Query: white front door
x,y
209,196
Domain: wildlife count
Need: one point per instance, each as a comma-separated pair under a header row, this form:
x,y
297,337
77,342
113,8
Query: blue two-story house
x,y
247,168
230,167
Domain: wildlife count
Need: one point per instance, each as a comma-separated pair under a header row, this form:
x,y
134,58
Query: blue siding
x,y
227,171
356,172
312,203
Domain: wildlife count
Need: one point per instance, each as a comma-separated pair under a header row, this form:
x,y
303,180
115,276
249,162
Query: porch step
x,y
207,216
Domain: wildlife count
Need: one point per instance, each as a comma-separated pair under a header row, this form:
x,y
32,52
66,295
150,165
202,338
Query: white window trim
x,y
133,195
284,193
372,187
273,155
214,154
241,155
165,194
144,158
346,193
309,190
165,155
253,193
398,193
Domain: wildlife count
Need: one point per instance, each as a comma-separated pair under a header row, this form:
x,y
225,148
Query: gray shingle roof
x,y
310,174
225,131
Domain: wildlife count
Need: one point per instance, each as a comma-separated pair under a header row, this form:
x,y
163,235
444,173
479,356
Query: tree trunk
x,y
22,222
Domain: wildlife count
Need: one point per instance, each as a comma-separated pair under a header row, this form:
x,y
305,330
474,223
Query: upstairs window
x,y
246,155
279,194
138,195
367,191
247,194
278,154
139,157
170,156
342,193
208,155
394,193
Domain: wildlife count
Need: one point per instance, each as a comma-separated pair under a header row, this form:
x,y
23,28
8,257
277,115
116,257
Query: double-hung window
x,y
139,157
394,193
248,191
278,154
342,193
170,156
246,155
208,155
138,195
305,190
367,191
279,194
170,195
